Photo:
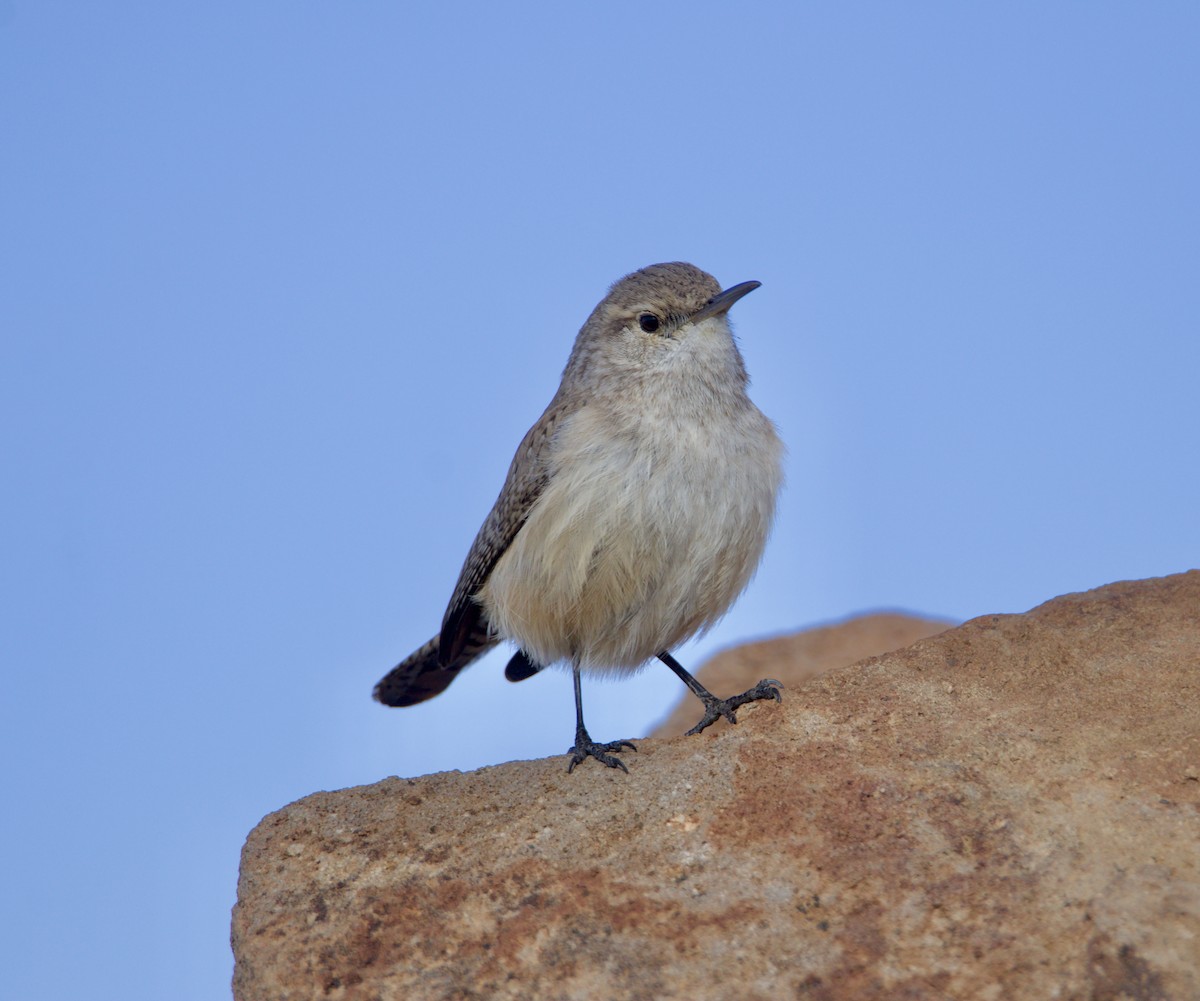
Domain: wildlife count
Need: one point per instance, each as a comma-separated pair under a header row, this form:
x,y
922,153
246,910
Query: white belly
x,y
641,539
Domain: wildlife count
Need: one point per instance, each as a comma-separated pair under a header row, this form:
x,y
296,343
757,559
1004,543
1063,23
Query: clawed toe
x,y
715,709
768,688
604,753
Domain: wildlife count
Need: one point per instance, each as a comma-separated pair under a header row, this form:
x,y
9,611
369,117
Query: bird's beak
x,y
721,302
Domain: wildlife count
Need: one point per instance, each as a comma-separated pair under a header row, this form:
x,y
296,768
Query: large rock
x,y
1010,809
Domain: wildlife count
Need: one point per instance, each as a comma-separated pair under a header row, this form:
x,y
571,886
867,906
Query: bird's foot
x,y
585,747
715,709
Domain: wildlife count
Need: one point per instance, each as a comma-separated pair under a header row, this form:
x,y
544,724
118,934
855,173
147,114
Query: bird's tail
x,y
419,676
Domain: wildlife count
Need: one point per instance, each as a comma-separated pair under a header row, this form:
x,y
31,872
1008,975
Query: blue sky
x,y
283,284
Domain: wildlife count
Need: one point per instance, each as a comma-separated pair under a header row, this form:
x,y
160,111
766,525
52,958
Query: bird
x,y
634,513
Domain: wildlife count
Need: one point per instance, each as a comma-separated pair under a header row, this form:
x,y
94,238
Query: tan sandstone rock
x,y
1010,809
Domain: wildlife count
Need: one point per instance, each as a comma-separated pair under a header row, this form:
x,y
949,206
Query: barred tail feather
x,y
420,676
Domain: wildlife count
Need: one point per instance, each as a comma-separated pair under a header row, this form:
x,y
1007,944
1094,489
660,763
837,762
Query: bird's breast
x,y
652,522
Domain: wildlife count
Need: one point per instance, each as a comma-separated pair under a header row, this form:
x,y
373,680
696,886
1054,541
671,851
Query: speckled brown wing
x,y
465,636
527,478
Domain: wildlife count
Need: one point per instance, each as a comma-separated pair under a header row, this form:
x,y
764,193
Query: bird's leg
x,y
584,745
715,708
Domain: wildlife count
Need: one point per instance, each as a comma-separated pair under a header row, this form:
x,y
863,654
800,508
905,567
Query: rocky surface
x,y
1010,809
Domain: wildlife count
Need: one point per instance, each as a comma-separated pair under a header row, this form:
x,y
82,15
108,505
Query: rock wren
x,y
634,512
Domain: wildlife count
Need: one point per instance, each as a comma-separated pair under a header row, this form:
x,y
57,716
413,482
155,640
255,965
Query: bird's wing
x,y
527,478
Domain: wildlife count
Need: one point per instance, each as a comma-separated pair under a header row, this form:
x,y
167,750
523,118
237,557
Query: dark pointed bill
x,y
720,302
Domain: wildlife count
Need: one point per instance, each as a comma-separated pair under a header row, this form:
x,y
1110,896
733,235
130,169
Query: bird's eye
x,y
649,322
